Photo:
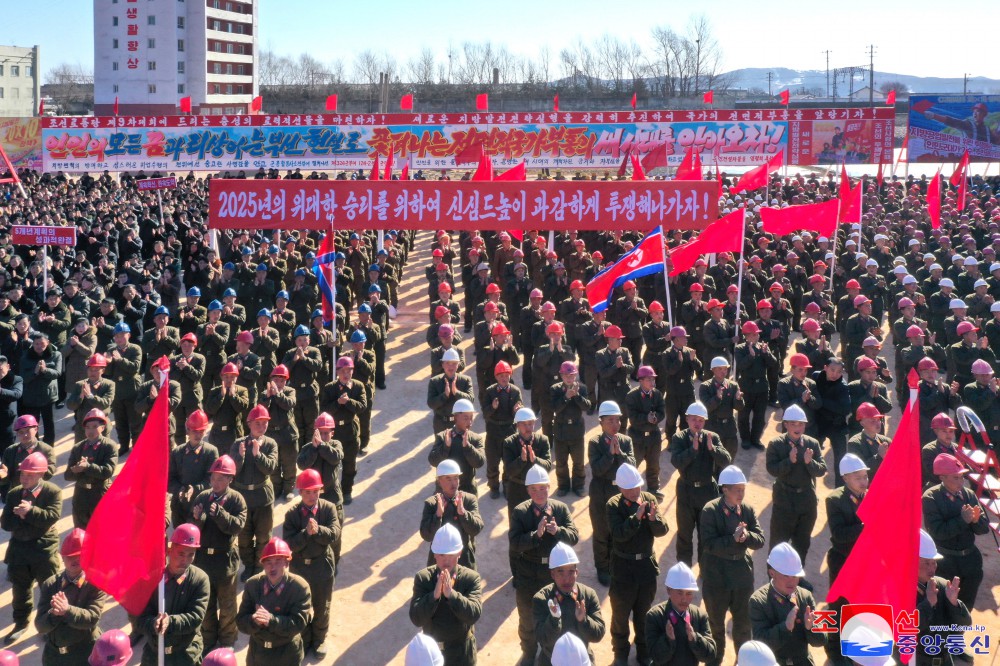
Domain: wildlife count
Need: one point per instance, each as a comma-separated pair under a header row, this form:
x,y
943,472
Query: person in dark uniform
x,y
325,455
570,401
868,389
781,612
310,529
11,390
842,512
606,452
459,443
590,340
279,398
795,461
693,316
536,526
256,458
629,313
646,409
565,608
186,592
214,337
935,398
94,392
500,403
954,517
981,397
614,367
521,452
677,631
346,400
699,456
266,341
445,389
91,465
754,364
634,521
248,365
835,408
26,430
145,396
549,360
364,372
228,405
944,442
718,333
220,513
304,364
161,340
728,532
938,605
870,445
190,466
797,389
451,506
275,609
188,368
447,600
722,398
682,366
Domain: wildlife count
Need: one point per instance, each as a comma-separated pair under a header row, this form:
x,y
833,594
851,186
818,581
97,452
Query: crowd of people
x,y
271,408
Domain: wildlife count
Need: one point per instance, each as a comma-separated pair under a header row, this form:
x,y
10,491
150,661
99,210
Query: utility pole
x,y
965,84
827,52
871,75
697,65
769,75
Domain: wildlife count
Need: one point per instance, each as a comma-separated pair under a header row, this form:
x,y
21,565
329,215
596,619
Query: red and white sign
x,y
156,184
30,235
463,205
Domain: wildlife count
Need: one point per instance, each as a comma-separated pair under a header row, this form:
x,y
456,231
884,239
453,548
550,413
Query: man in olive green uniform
x,y
565,606
722,398
124,361
191,315
459,443
614,367
220,512
91,465
548,361
248,365
522,451
186,591
325,455
275,610
634,521
677,631
608,451
500,404
311,528
279,398
447,600
145,396
188,368
228,405
190,465
536,525
451,506
938,606
729,531
161,340
304,364
754,363
26,431
445,389
364,372
681,365
256,458
266,340
646,409
346,400
94,392
570,401
213,336
870,444
842,512
69,609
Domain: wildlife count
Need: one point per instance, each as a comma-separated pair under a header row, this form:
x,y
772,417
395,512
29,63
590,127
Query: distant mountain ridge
x,y
815,80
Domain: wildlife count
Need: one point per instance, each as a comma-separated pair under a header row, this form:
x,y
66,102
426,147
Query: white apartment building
x,y
20,81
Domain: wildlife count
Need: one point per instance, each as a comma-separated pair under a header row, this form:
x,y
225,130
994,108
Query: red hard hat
x,y
73,543
810,325
751,327
613,332
942,420
95,414
324,421
437,252
914,331
500,329
812,307
224,465
230,369
764,304
645,371
656,306
97,361
927,363
245,336
713,303
576,284
111,649
276,548
345,362
905,303
220,657
308,479
853,284
860,300
259,412
867,410
548,306
492,288
945,463
800,361
536,293
966,327
8,658
36,462
190,337
776,286
700,262
444,286
280,370
867,364
186,535
732,289
628,286
197,420
597,256
816,278
696,287
25,421
501,368
491,307
441,311
554,328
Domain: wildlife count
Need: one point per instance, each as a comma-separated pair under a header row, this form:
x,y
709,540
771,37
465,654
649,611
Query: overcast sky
x,y
918,37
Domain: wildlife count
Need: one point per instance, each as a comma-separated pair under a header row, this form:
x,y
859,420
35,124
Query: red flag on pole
x,y
374,175
185,105
331,103
960,179
786,97
723,235
482,102
471,152
890,99
850,199
820,217
257,104
718,178
555,103
406,102
934,200
709,97
116,105
484,172
519,172
125,551
637,172
390,158
405,173
41,107
634,100
657,157
690,168
624,165
757,177
879,177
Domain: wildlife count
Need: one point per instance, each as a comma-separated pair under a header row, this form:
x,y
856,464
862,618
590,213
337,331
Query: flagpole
x,y
333,319
666,279
739,287
161,608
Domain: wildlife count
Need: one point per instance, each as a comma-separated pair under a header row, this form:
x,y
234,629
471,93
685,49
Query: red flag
x,y
257,104
624,165
406,102
960,179
708,97
470,154
690,168
482,102
786,97
324,267
41,107
890,99
637,172
850,199
405,173
484,172
125,552
723,235
14,178
718,178
374,175
820,217
934,200
331,103
555,102
757,177
657,157
883,564
116,105
519,172
879,177
390,158
634,100
646,258
185,105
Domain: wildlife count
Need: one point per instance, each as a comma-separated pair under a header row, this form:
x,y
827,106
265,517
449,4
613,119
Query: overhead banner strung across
x,y
577,140
462,205
943,127
21,139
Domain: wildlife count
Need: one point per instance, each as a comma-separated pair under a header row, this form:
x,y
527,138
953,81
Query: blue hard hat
x,y
355,237
300,271
122,327
194,291
301,329
264,312
229,292
359,336
273,249
374,289
229,266
282,294
339,256
383,253
310,255
262,267
289,240
214,305
375,267
162,310
316,313
245,251
364,308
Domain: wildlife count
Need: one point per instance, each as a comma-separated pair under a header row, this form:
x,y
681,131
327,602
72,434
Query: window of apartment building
x,y
151,43
1,70
15,70
114,43
114,21
229,68
229,48
152,88
1,93
114,88
151,19
180,67
229,89
114,66
180,88
180,44
29,71
151,65
180,22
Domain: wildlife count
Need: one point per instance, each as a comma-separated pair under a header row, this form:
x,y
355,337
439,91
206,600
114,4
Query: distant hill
x,y
815,80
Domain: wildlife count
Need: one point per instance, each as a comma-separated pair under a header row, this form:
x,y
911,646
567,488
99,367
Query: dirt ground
x,y
383,549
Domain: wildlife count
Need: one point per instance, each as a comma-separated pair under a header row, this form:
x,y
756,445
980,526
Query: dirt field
x,y
383,549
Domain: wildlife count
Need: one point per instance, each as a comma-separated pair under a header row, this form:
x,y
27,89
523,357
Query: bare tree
x,y
367,68
888,86
66,73
421,69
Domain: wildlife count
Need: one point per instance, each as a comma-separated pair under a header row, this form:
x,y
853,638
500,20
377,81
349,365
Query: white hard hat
x,y
938,267
912,242
720,362
899,270
957,259
957,303
732,476
980,283
995,307
561,555
697,409
536,476
447,540
524,414
450,355
909,279
462,405
448,467
946,282
929,255
569,650
627,477
423,651
879,237
680,577
609,408
871,262
795,413
994,266
851,463
971,261
928,550
785,560
898,260
755,653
